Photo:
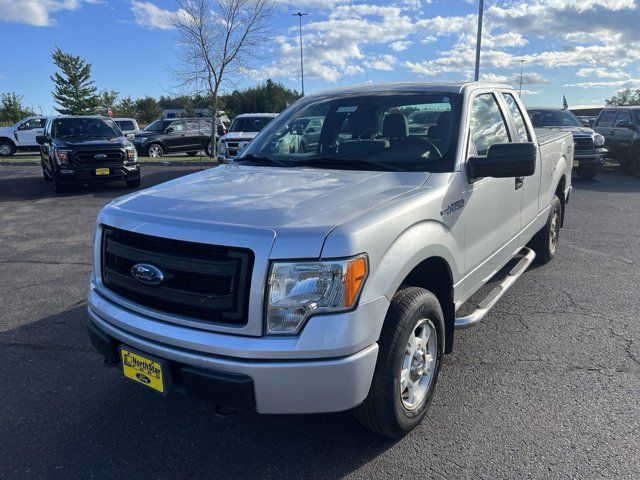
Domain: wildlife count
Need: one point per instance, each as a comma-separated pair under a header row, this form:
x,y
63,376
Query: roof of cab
x,y
269,115
457,87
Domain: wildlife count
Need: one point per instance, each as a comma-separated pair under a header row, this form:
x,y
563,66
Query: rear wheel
x,y
45,174
192,154
545,243
408,364
155,150
208,149
7,148
586,173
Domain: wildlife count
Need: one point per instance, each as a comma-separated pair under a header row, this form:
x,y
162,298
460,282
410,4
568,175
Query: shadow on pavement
x,y
72,417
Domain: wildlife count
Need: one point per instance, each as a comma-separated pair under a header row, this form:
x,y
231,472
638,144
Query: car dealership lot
x,y
546,386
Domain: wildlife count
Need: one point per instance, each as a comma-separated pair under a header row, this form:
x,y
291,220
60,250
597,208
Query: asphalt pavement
x,y
548,386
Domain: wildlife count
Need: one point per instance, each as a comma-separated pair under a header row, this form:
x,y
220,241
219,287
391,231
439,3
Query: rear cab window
x,y
521,133
623,116
606,118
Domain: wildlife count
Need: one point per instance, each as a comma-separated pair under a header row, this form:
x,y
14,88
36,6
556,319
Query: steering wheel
x,y
422,142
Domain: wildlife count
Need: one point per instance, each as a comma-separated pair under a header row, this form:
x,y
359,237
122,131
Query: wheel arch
x,y
8,139
560,192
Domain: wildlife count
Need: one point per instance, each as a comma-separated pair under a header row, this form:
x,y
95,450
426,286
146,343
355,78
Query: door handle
x,y
612,132
519,182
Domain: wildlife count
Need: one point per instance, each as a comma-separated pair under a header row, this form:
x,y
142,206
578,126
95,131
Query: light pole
x,y
300,15
479,39
521,68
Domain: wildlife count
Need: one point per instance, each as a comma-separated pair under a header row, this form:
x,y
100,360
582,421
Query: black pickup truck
x,y
84,149
620,126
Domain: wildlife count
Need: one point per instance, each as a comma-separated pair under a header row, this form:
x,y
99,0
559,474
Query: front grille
x,y
232,148
89,156
583,143
207,282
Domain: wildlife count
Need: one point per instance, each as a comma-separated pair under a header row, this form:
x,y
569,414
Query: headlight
x,y
132,154
222,147
298,290
62,157
598,140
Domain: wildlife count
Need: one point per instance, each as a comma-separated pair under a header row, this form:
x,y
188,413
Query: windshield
x,y
84,128
553,118
365,132
249,124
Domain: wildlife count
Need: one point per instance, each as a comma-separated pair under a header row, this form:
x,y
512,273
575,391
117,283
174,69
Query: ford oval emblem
x,y
147,274
143,378
100,156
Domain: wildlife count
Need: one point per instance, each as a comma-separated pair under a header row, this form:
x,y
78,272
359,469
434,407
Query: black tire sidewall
x,y
12,148
406,419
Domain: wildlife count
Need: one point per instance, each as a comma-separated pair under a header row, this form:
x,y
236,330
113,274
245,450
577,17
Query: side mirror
x,y
504,160
169,130
624,124
41,139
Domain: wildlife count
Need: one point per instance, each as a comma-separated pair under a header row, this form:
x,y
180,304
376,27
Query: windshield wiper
x,y
254,157
342,160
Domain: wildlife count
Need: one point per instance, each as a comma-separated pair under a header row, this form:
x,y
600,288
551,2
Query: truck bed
x,y
547,135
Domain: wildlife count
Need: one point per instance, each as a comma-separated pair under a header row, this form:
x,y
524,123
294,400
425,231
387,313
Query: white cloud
x,y
600,72
618,84
34,12
149,16
399,45
384,62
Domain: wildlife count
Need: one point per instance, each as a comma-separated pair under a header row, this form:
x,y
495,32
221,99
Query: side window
x,y
177,126
606,118
486,124
522,135
33,124
623,116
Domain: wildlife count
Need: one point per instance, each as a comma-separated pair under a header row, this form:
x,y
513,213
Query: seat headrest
x,y
362,123
395,125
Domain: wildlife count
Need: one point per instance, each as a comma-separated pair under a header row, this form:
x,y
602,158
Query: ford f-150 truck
x,y
331,279
21,137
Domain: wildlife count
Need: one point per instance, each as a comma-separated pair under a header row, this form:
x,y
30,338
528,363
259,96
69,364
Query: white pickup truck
x,y
21,136
332,278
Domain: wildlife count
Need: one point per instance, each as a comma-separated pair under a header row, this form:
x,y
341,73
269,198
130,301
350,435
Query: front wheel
x,y
207,149
7,149
192,154
545,243
408,364
155,150
135,183
45,174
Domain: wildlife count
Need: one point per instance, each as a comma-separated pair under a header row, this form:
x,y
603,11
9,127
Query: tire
x,y
192,154
634,166
207,149
155,150
545,243
135,183
586,173
7,149
57,186
390,409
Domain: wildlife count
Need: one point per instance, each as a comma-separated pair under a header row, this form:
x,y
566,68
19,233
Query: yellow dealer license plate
x,y
144,369
102,171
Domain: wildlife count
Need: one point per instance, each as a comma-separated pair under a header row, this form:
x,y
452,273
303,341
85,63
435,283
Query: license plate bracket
x,y
150,371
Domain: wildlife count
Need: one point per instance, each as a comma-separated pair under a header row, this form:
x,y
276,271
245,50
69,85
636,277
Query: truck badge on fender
x,y
452,207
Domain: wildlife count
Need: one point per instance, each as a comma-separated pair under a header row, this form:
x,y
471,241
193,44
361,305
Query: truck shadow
x,y
612,179
70,415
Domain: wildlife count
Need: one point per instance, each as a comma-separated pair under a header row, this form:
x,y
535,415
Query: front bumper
x,y
288,375
74,173
592,158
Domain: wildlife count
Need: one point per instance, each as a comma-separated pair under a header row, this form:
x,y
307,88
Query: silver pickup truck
x,y
331,278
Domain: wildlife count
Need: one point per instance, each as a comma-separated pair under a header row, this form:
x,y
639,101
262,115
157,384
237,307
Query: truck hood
x,y
276,199
99,142
239,136
574,130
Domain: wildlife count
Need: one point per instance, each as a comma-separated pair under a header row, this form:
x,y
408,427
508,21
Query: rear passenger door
x,y
604,126
623,134
492,205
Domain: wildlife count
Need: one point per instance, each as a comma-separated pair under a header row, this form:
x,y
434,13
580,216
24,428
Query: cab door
x,y
492,206
28,130
623,131
174,137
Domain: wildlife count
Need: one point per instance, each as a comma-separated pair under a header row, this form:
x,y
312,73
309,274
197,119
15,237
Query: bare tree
x,y
216,39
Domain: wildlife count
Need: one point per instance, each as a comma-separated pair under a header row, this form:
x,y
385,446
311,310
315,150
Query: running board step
x,y
496,294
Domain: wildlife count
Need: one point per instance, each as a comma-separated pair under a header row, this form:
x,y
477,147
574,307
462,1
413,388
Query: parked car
x,y
172,135
127,125
331,280
242,130
303,136
620,127
590,152
21,136
79,150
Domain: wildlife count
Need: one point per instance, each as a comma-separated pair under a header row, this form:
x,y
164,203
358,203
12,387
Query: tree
x,y
146,110
107,99
11,108
125,108
270,97
75,92
216,38
625,97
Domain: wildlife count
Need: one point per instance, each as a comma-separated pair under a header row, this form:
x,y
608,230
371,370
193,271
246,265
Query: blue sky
x,y
585,49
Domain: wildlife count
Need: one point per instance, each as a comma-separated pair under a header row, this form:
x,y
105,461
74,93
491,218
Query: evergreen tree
x,y
107,100
146,110
11,108
75,92
125,108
